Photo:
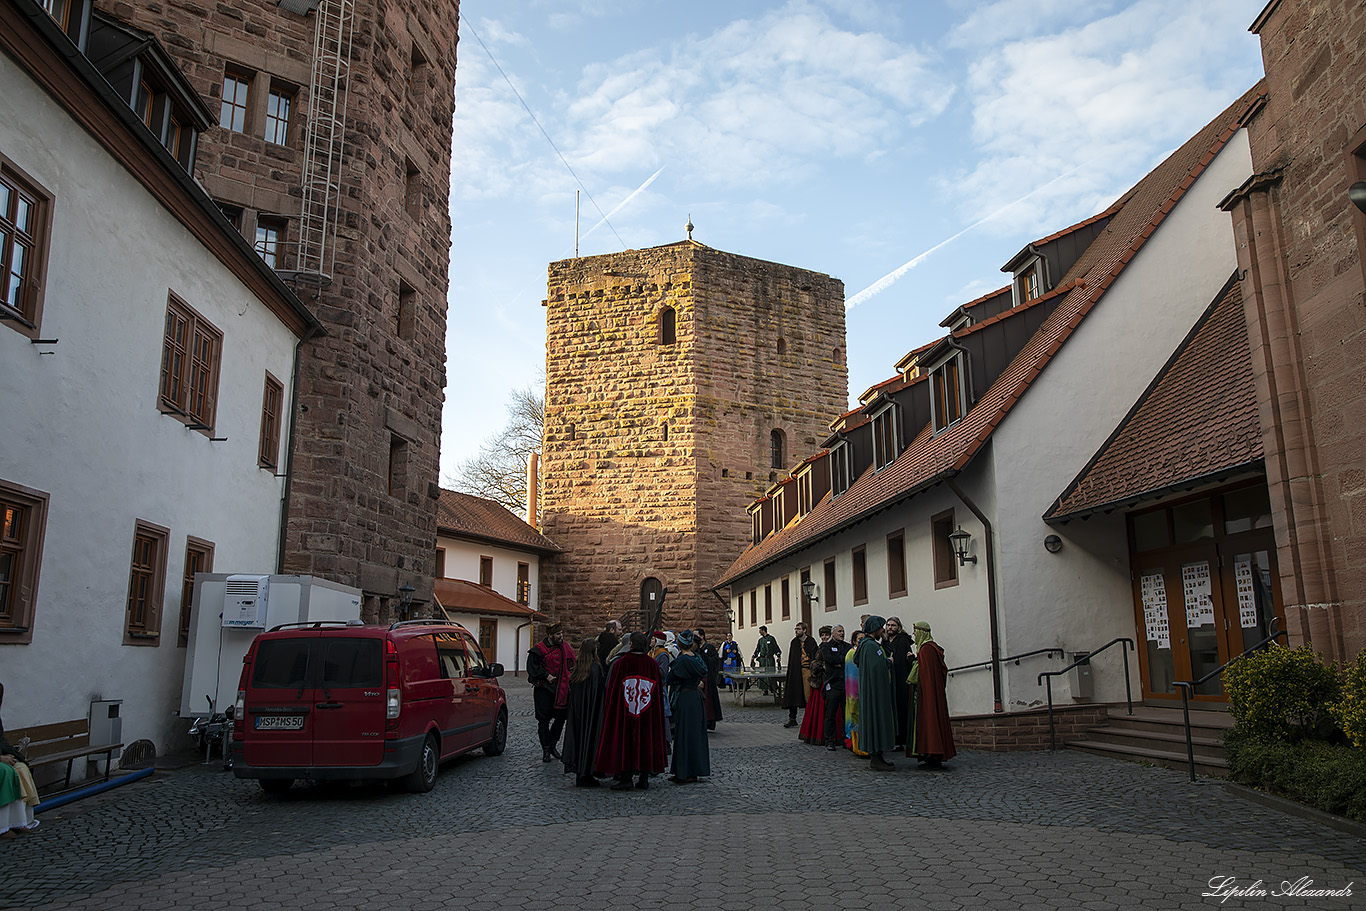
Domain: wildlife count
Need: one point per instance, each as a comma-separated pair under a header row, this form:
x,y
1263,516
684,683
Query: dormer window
x,y
1029,281
779,513
804,493
948,398
756,528
839,467
884,437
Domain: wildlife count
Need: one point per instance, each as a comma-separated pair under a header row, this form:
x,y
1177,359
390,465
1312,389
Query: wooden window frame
x,y
753,607
884,437
272,419
786,594
830,596
768,602
840,467
441,563
194,548
896,564
524,583
948,401
277,126
860,557
740,610
270,246
190,366
756,526
944,562
804,493
146,584
239,103
26,550
486,571
25,316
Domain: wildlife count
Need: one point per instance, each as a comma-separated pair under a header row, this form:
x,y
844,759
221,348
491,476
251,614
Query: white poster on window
x,y
1247,595
1153,589
1195,580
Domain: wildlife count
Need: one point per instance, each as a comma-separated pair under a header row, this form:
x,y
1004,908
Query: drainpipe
x,y
991,591
289,449
517,648
725,609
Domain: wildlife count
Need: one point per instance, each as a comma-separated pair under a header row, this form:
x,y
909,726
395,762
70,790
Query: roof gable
x,y
463,515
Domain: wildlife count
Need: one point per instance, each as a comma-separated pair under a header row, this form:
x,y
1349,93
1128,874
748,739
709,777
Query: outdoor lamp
x,y
809,590
405,599
959,539
1357,193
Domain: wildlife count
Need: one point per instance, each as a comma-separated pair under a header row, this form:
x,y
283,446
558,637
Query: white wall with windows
x,y
1080,598
463,558
83,425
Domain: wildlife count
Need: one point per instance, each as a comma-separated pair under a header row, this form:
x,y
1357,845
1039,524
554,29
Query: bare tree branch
x,y
498,472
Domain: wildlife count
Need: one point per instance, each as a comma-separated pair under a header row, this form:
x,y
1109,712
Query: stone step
x,y
1209,766
1203,724
1167,738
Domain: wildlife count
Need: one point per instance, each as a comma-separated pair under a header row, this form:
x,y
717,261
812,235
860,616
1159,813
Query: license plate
x,y
279,722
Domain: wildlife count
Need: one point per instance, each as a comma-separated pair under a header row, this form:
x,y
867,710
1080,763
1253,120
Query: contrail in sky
x,y
882,284
618,207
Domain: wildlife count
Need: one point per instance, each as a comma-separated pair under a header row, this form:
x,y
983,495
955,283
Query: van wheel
x,y
500,735
276,785
422,778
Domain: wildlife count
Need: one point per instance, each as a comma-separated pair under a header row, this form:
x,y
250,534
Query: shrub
x,y
1350,710
1282,694
1330,777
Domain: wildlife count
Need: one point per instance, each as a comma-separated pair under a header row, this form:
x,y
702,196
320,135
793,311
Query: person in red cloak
x,y
929,736
633,719
549,665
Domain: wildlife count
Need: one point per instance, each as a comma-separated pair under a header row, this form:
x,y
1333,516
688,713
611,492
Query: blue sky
x,y
851,137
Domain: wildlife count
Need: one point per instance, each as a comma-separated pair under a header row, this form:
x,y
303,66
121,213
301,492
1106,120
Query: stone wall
x,y
372,389
1027,730
1300,250
652,450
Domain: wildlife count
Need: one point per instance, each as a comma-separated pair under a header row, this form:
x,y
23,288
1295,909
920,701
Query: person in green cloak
x,y
876,702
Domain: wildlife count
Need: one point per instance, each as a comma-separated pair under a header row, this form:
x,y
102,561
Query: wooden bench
x,y
67,741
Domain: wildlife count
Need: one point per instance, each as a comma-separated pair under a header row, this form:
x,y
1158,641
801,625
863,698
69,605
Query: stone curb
x,y
1295,808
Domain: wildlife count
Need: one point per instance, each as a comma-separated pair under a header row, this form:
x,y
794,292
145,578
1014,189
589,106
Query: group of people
x,y
883,690
625,704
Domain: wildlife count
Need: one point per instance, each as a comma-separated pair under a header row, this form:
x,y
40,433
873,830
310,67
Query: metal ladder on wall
x,y
324,143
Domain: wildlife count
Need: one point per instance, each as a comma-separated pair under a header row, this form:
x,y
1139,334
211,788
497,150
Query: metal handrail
x,y
1016,658
1188,688
1086,659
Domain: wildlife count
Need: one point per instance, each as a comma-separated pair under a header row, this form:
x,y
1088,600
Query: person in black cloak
x,y
584,727
900,651
686,672
608,640
633,722
876,725
712,698
799,655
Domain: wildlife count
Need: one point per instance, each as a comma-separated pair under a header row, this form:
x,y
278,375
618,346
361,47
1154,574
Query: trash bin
x,y
1082,685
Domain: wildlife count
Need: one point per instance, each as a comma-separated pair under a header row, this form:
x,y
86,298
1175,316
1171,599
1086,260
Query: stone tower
x,y
680,382
362,499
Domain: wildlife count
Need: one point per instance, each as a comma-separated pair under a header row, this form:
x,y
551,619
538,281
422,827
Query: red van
x,y
334,701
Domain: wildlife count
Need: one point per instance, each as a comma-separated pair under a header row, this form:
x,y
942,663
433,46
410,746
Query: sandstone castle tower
x,y
332,156
680,382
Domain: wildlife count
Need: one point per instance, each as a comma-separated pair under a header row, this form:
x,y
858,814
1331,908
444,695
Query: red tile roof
x,y
461,597
462,515
931,458
1197,421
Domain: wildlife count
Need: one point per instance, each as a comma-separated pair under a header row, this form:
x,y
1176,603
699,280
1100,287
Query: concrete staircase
x,y
1157,735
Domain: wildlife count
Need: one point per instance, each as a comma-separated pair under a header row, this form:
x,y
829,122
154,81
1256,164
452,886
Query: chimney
x,y
533,489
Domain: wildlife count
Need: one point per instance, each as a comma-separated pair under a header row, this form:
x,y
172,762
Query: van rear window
x,y
281,664
352,662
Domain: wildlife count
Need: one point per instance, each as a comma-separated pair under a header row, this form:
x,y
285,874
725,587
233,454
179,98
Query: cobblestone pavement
x,y
779,825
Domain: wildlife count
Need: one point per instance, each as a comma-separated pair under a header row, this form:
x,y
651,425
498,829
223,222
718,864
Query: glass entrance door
x,y
1205,587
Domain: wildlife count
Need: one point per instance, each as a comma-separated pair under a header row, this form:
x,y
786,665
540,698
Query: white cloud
x,y
1113,91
